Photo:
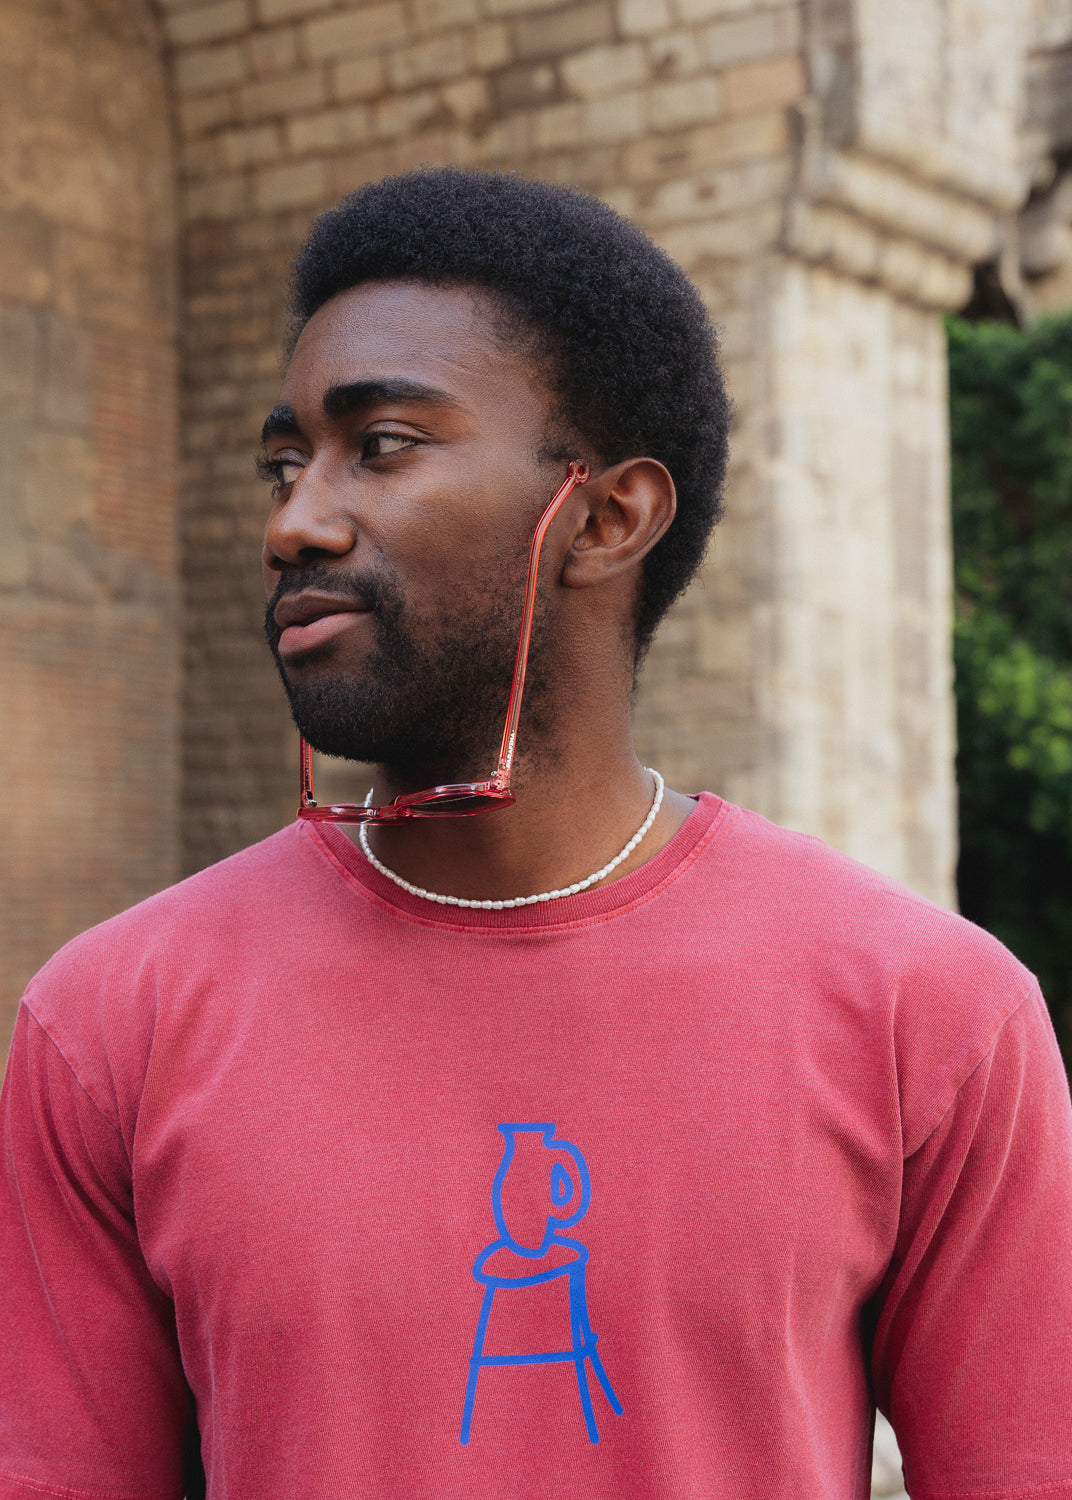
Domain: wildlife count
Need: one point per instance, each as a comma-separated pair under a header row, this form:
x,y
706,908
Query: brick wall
x,y
88,675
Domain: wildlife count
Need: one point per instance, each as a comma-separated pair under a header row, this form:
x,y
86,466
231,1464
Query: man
x,y
609,1143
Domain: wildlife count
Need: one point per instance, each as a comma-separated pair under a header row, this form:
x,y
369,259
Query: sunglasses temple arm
x,y
306,799
578,474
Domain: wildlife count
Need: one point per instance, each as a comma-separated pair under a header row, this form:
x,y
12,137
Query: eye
x,y
279,472
383,444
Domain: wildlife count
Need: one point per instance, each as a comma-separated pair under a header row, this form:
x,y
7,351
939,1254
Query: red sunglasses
x,y
468,797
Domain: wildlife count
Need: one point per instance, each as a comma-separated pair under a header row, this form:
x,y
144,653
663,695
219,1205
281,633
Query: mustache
x,y
375,594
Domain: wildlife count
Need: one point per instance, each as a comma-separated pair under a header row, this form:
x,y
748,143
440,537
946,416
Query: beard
x,y
428,713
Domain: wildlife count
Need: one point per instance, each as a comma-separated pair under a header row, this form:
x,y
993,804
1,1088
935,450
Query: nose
x,y
310,524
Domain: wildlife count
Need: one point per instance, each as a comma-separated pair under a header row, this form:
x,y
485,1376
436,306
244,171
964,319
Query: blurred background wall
x,y
89,679
834,175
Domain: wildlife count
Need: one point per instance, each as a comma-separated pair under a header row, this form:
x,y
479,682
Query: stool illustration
x,y
531,1230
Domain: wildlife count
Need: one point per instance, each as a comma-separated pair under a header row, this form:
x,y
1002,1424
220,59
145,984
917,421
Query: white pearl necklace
x,y
569,890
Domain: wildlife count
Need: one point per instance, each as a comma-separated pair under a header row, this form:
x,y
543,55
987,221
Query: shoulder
x,y
101,998
853,913
924,981
200,906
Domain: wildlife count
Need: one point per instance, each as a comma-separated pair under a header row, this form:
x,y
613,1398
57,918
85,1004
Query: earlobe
x,y
630,506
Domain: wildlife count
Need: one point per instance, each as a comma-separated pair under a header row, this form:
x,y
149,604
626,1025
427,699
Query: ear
x,y
629,507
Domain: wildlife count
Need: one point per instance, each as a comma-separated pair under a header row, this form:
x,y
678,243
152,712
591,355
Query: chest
x,y
351,1134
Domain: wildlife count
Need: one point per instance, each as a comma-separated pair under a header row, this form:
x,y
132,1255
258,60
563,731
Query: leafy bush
x,y
1011,414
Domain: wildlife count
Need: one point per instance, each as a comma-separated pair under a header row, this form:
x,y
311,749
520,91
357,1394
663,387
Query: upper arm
x,y
94,1398
972,1357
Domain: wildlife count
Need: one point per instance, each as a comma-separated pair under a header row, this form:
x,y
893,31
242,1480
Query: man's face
x,y
405,454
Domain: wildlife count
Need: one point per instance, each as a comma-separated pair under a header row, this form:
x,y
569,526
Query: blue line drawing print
x,y
533,1232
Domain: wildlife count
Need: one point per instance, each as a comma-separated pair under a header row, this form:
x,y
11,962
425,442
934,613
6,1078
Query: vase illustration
x,y
541,1188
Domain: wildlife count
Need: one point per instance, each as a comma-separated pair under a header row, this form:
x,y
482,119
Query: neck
x,y
575,811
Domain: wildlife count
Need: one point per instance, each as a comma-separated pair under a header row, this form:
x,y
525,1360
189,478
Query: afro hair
x,y
630,353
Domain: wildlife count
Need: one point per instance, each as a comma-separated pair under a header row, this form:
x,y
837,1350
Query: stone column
x,y
89,671
822,627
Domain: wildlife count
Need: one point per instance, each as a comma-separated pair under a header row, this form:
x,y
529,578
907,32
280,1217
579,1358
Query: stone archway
x,y
88,675
827,170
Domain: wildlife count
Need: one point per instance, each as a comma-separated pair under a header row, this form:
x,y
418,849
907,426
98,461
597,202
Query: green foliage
x,y
1011,413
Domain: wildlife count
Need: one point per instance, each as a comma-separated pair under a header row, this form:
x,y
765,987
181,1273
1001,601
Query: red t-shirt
x,y
647,1192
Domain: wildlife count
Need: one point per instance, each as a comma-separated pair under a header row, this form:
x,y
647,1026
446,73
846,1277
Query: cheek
x,y
457,550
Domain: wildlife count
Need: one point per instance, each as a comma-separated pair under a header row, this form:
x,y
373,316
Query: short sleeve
x,y
93,1400
972,1356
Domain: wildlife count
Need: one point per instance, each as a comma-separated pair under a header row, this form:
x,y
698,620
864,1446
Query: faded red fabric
x,y
251,1131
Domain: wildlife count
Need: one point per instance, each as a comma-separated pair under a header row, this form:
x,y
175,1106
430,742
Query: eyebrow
x,y
340,400
281,421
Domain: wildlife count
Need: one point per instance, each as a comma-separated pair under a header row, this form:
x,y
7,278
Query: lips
x,y
309,619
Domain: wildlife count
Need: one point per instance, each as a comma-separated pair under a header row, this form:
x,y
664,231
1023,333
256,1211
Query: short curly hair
x,y
630,353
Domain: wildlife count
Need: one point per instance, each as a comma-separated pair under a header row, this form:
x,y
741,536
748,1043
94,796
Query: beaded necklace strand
x,y
569,890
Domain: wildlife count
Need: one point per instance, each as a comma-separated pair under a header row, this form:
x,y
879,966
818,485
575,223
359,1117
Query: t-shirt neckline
x,y
641,884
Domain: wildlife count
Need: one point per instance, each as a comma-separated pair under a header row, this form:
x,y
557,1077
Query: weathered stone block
x,y
558,125
406,113
468,100
289,10
663,156
618,117
205,68
705,10
644,17
603,70
434,61
746,38
58,478
201,157
207,23
58,574
585,168
506,140
202,112
273,51
737,235
328,130
354,31
435,15
306,90
526,85
756,86
296,186
250,146
492,47
740,186
359,78
576,26
27,252
686,101
116,283
66,390
518,7
16,574
20,358
216,198
675,54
